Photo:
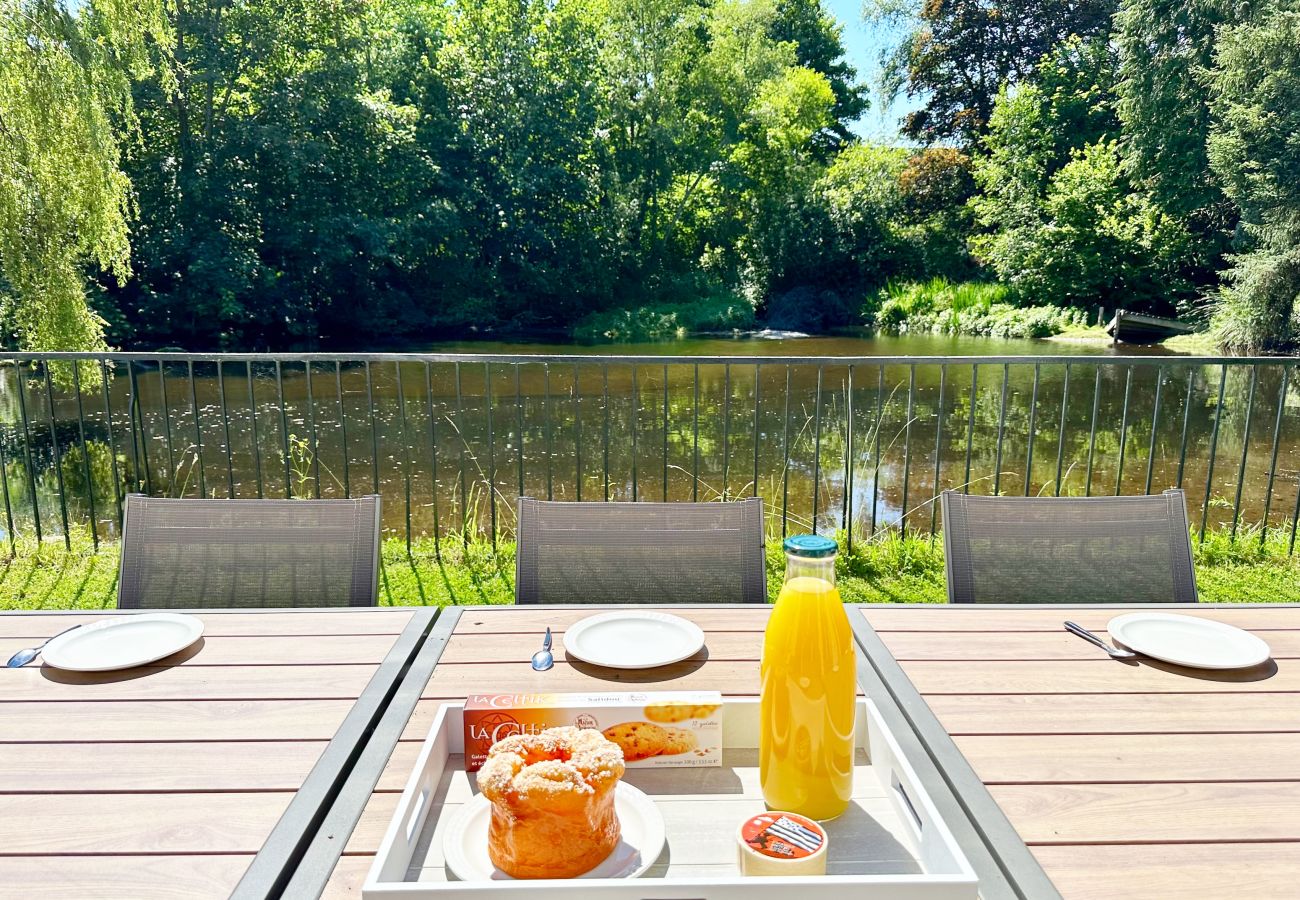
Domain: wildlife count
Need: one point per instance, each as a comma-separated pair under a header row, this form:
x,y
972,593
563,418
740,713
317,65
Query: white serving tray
x,y
890,845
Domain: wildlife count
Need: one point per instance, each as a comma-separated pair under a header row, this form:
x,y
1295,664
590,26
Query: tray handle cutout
x,y
413,822
910,815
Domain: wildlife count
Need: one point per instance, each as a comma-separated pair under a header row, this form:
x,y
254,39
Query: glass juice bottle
x,y
808,688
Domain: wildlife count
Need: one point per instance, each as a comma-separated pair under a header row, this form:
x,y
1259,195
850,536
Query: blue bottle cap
x,y
813,546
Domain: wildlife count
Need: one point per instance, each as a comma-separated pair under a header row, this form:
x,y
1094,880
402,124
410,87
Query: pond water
x,y
450,444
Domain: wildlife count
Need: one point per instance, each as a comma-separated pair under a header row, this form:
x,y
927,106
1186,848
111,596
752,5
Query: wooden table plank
x,y
535,620
1121,713
151,767
1133,758
116,877
104,721
518,647
34,624
973,617
265,650
456,681
187,683
1059,645
1102,676
1102,872
1152,813
117,824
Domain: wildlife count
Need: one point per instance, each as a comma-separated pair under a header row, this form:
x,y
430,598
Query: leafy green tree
x,y
65,103
1254,149
819,46
960,53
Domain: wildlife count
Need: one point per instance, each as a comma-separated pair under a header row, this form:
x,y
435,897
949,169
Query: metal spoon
x,y
1092,638
23,657
542,659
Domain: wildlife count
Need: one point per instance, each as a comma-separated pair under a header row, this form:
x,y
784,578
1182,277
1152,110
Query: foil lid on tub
x,y
781,843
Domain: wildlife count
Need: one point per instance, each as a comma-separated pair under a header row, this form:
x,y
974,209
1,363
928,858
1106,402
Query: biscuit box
x,y
663,729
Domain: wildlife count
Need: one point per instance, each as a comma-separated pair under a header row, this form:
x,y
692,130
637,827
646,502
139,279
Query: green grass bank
x,y
888,569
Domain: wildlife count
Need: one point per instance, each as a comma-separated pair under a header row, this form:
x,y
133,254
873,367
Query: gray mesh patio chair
x,y
185,554
1067,549
640,552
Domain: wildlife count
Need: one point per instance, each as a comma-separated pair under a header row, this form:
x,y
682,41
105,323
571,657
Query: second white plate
x,y
465,845
1188,640
122,643
633,639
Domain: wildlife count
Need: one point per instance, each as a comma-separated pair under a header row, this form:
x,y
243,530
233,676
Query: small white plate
x,y
1188,641
630,639
122,643
465,844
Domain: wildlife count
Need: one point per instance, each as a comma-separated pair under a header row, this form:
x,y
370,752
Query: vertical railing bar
x,y
1187,414
254,435
1060,435
636,402
167,424
726,428
785,454
1002,427
604,449
460,455
907,445
343,428
374,430
875,451
492,453
133,402
26,450
817,449
58,455
1033,424
311,430
938,449
1155,423
284,431
550,439
665,447
9,512
85,455
1245,447
519,429
695,440
433,459
1123,431
1272,466
144,442
970,423
1092,431
757,388
1214,446
112,441
1295,518
406,448
847,515
577,431
198,431
225,426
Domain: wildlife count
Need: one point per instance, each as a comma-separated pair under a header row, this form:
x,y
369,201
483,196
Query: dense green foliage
x,y
887,569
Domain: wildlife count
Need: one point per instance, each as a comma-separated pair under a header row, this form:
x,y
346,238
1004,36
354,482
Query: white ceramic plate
x,y
123,643
465,844
1188,641
630,639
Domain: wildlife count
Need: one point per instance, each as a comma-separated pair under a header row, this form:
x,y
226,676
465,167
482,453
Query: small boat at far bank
x,y
1139,328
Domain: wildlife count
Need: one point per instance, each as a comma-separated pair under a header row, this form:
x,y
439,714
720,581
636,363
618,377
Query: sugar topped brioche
x,y
552,801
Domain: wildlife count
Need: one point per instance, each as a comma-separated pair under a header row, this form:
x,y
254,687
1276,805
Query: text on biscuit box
x,y
656,729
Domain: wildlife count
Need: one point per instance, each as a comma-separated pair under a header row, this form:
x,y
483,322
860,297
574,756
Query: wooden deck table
x,y
172,779
1126,779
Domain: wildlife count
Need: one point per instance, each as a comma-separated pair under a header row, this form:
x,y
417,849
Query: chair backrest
x,y
203,554
1068,549
640,552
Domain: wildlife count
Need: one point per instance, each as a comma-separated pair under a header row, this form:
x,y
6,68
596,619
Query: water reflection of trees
x,y
457,445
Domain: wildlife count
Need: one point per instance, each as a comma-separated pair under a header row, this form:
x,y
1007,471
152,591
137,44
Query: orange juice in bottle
x,y
808,688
